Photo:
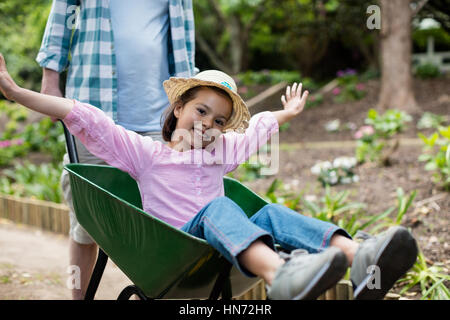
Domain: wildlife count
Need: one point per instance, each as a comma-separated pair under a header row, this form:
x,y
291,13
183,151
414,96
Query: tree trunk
x,y
236,47
396,45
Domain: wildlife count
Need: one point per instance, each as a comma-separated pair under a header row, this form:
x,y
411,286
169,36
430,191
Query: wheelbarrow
x,y
160,260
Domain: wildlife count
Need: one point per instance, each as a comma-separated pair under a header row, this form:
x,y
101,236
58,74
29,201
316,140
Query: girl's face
x,y
201,120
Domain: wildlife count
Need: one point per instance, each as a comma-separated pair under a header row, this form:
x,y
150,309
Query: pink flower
x,y
9,143
243,90
360,86
364,131
5,143
336,91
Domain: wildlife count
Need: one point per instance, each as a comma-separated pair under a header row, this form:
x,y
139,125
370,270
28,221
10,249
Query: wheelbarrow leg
x,y
97,274
222,284
129,291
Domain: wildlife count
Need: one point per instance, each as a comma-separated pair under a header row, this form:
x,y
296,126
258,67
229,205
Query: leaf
x,y
376,218
431,166
445,132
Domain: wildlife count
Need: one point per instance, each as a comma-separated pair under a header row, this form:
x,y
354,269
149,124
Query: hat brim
x,y
175,87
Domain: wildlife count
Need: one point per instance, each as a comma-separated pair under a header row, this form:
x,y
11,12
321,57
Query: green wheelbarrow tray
x,y
161,260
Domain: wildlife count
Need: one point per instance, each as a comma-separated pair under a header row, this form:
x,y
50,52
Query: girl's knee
x,y
222,201
224,204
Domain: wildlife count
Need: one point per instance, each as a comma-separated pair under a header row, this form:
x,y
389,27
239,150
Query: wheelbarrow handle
x,y
70,143
102,256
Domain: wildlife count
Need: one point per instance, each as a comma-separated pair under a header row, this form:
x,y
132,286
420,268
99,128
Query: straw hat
x,y
240,116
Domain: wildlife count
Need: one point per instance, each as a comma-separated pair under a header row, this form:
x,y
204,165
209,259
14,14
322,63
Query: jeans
x,y
226,227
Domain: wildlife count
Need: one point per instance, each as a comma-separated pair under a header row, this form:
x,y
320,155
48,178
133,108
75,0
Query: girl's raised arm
x,y
293,103
52,106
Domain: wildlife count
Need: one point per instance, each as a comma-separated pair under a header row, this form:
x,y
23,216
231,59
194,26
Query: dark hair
x,y
169,119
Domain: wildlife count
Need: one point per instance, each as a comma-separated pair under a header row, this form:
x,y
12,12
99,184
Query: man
x,y
120,54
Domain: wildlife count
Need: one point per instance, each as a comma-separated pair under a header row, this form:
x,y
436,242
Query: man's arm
x,y
54,51
50,83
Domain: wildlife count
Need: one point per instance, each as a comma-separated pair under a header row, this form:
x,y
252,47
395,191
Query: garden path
x,y
33,266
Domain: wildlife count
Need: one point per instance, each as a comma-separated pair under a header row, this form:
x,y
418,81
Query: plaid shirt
x,y
88,39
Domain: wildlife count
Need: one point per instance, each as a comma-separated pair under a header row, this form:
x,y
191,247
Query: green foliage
x,y
383,128
431,279
337,209
403,204
285,126
388,124
273,77
441,38
427,71
248,171
43,136
278,193
47,137
349,87
22,25
430,120
436,155
314,100
29,180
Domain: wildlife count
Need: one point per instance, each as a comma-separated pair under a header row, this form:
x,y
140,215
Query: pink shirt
x,y
174,185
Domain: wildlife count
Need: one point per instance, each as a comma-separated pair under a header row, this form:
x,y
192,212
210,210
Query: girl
x,y
207,119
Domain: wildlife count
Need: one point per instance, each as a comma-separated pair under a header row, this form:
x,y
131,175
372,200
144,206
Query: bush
x,y
43,136
427,71
28,180
436,155
349,87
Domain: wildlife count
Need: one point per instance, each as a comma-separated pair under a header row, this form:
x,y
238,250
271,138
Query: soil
x,y
428,216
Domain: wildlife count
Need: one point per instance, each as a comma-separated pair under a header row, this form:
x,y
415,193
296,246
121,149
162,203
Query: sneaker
x,y
390,254
306,276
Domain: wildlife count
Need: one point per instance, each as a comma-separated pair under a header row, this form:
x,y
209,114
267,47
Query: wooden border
x,y
45,215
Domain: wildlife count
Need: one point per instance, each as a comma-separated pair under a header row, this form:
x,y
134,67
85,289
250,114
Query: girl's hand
x,y
294,101
7,84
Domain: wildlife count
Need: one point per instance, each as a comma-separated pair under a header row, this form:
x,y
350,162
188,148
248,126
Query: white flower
x,y
344,162
321,166
355,178
333,125
333,179
315,170
346,180
310,197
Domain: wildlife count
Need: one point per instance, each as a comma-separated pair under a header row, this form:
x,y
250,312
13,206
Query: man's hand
x,y
7,84
294,101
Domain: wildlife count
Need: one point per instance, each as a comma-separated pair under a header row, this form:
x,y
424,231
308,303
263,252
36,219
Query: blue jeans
x,y
226,227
